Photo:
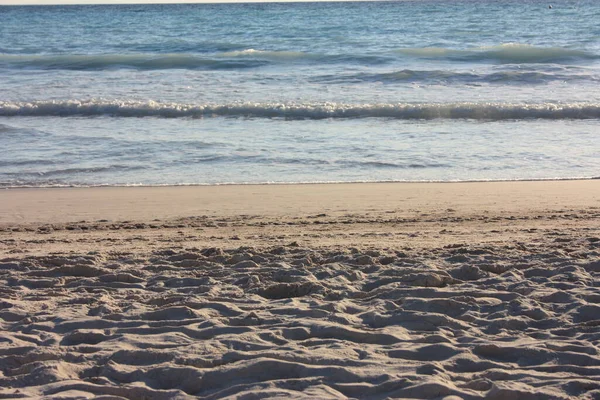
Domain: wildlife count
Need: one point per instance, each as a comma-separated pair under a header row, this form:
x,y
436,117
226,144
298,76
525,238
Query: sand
x,y
369,291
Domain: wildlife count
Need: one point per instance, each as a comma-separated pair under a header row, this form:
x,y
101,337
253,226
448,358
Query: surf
x,y
308,110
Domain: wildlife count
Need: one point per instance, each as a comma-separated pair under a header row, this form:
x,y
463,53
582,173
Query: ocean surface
x,y
426,90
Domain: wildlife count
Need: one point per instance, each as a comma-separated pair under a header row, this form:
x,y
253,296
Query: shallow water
x,y
299,92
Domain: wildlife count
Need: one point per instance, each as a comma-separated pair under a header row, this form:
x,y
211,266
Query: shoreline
x,y
52,205
134,185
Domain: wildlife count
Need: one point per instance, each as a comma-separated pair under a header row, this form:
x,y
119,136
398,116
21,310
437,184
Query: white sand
x,y
311,291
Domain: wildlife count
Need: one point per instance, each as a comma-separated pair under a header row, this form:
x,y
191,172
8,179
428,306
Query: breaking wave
x,y
407,111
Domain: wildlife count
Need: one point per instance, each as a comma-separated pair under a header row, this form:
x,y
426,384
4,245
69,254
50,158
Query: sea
x,y
267,93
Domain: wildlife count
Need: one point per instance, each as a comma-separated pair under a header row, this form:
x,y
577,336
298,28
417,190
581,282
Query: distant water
x,y
425,90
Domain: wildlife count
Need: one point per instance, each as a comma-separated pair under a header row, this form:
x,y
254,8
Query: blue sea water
x,y
424,90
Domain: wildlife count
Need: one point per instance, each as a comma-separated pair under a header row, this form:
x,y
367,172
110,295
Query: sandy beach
x,y
368,291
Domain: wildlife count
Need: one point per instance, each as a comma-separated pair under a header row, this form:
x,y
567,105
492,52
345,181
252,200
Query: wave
x,y
26,163
235,59
134,61
448,76
180,46
272,55
5,128
72,171
253,58
509,53
407,111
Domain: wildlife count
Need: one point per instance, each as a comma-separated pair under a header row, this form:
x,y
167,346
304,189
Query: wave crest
x,y
236,59
460,110
273,55
448,76
134,61
506,53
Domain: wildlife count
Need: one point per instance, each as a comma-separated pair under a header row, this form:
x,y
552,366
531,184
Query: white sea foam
x,y
274,55
21,184
463,110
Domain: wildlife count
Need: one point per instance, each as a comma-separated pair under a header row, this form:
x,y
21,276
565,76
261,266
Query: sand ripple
x,y
494,322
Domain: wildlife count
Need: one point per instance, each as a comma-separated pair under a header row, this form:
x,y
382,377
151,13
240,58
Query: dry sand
x,y
370,291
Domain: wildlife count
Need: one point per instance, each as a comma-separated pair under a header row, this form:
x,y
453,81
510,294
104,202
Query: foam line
x,y
405,111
